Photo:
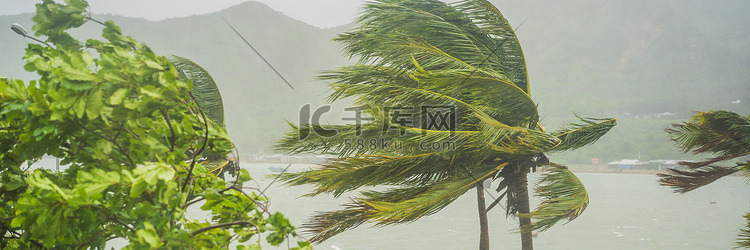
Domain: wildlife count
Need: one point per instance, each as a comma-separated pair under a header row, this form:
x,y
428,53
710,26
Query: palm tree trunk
x,y
522,194
484,234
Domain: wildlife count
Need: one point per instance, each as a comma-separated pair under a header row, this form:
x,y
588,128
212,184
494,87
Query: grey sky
x,y
321,13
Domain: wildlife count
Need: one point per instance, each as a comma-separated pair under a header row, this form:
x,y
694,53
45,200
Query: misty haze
x,y
647,64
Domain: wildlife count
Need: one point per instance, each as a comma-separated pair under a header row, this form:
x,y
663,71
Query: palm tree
x,y
724,134
206,94
421,60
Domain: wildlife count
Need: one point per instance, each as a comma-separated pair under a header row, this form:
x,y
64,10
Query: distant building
x,y
628,164
666,115
674,164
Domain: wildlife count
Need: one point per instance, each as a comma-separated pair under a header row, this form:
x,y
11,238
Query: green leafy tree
x,y
134,138
725,135
464,59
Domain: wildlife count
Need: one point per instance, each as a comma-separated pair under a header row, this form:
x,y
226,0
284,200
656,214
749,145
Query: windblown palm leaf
x,y
508,51
720,132
723,133
684,181
204,90
577,135
565,198
425,53
743,240
396,205
208,97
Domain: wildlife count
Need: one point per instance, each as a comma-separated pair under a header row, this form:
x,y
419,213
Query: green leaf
x,y
117,97
76,85
137,188
154,65
77,74
151,91
148,235
14,183
112,77
79,108
18,221
153,172
249,247
94,104
303,245
244,175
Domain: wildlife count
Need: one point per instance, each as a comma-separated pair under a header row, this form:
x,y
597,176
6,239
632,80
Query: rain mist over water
x,y
626,211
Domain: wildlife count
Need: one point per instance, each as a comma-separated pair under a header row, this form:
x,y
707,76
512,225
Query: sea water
x,y
626,211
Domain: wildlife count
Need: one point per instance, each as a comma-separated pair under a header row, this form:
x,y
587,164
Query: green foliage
x,y
743,240
563,191
723,133
419,53
127,126
204,88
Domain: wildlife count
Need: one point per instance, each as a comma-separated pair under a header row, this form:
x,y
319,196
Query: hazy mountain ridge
x,y
256,100
597,58
637,57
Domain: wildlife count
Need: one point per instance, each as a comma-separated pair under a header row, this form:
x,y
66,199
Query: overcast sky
x,y
321,13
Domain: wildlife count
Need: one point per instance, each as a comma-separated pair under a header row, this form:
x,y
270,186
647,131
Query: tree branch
x,y
115,219
202,198
205,142
228,224
171,129
105,138
8,229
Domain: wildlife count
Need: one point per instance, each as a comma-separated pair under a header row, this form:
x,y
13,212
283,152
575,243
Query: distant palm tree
x,y
465,61
724,134
206,94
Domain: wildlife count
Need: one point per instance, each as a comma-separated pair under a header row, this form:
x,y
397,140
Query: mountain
x,y
626,59
256,100
634,58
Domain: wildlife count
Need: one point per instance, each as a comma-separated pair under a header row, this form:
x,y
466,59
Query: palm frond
x,y
324,225
720,132
204,89
683,181
743,239
386,25
513,140
506,45
710,161
396,205
493,93
577,135
317,139
373,138
215,166
564,197
438,195
347,174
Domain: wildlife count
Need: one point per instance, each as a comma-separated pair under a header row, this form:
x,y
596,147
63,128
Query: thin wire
x,y
258,53
492,54
274,179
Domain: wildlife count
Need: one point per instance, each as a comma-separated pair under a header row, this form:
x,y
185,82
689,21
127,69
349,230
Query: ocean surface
x,y
626,211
